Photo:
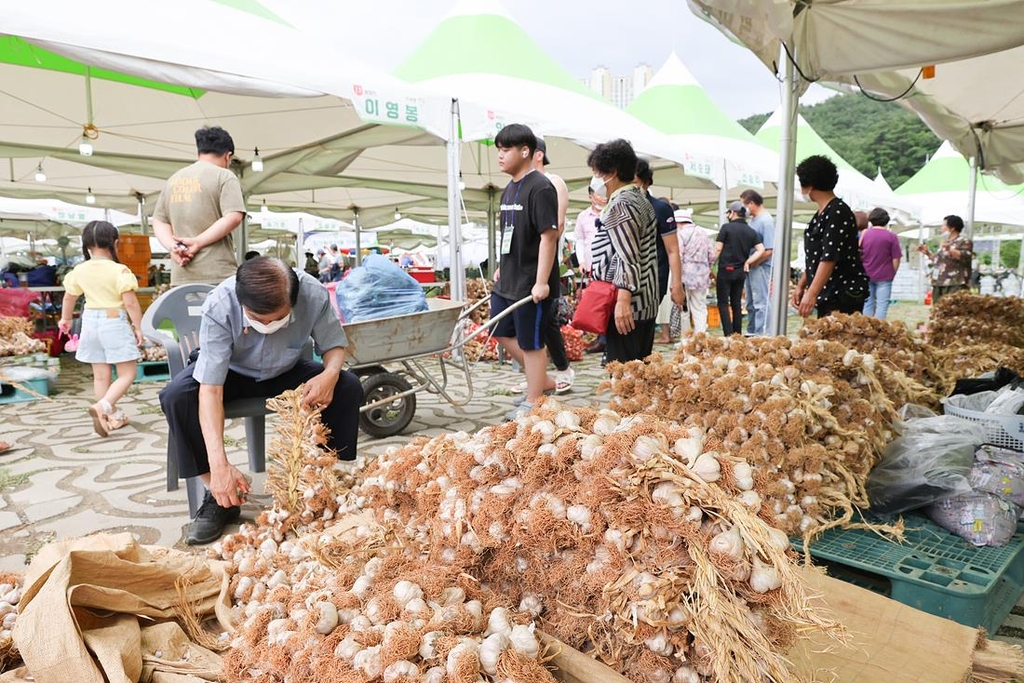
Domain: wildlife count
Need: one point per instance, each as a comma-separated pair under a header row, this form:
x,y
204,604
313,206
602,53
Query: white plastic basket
x,y
1005,431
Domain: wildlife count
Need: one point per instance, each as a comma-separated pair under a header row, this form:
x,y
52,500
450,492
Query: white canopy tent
x,y
841,39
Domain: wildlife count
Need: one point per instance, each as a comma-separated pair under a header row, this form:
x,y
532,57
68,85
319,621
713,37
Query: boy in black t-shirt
x,y
529,242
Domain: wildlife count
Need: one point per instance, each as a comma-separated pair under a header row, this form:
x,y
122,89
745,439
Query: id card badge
x,y
506,240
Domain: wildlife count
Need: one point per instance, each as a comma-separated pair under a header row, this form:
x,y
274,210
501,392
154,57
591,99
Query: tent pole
x,y
457,281
971,196
779,307
723,192
492,242
300,244
922,286
143,218
357,261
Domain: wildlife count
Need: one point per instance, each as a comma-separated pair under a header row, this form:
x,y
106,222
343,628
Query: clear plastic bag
x,y
1007,401
999,471
930,461
979,518
378,289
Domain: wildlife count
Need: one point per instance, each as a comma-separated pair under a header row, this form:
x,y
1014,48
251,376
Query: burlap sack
x,y
89,609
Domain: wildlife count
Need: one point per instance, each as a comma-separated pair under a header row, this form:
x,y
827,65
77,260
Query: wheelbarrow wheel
x,y
390,418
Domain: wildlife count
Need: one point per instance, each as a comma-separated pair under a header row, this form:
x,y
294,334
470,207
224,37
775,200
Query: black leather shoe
x,y
596,346
210,521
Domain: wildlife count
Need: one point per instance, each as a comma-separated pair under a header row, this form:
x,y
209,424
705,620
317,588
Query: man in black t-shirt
x,y
527,250
670,267
737,247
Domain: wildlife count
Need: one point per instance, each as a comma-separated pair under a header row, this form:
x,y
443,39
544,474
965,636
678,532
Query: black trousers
x,y
636,345
555,342
730,304
840,303
180,403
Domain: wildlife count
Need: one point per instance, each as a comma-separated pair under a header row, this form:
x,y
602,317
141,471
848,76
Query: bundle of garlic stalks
x,y
628,538
971,319
811,417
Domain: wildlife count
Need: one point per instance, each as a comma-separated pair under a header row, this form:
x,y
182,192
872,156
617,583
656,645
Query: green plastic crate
x,y
935,571
149,371
11,394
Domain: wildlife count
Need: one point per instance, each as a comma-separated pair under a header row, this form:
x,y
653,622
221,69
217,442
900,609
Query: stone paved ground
x,y
63,480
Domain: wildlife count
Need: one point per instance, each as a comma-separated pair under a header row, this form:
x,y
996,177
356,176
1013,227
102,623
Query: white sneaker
x,y
564,381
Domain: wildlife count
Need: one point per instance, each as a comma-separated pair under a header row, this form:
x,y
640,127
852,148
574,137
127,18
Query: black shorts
x,y
527,323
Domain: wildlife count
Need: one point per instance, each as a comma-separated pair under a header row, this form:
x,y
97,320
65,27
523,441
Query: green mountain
x,y
868,134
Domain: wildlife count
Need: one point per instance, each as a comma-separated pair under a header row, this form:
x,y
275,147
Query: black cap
x,y
543,147
738,208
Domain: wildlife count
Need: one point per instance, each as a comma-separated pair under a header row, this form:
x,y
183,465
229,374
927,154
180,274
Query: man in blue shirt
x,y
760,276
670,267
251,338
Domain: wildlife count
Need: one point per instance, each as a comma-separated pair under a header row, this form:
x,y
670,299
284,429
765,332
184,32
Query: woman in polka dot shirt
x,y
834,279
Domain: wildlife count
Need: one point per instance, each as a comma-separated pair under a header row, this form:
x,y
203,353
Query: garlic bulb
x,y
764,577
490,650
688,449
524,641
369,661
707,467
728,542
659,644
401,670
452,595
744,476
466,651
434,674
686,674
647,447
428,650
590,447
531,604
498,622
327,619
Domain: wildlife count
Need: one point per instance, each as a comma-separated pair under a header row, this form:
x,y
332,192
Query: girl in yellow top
x,y
107,338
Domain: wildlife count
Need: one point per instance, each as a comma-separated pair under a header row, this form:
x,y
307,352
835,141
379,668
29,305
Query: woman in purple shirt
x,y
880,253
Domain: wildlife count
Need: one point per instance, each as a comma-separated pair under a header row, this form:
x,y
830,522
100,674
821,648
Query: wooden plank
x,y
572,666
891,642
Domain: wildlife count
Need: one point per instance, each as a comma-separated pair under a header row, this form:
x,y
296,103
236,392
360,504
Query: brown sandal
x,y
99,422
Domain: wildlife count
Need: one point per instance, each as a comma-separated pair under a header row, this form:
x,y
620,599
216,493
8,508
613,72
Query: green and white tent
x,y
856,189
675,104
942,187
479,54
140,93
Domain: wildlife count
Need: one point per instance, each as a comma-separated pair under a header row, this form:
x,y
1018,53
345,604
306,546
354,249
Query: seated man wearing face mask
x,y
251,337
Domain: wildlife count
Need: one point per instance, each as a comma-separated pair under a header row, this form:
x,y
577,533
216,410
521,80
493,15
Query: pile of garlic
x,y
919,374
10,596
316,598
965,318
625,537
809,416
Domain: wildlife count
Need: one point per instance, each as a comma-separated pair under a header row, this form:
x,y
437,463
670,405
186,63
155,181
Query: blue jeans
x,y
877,303
758,284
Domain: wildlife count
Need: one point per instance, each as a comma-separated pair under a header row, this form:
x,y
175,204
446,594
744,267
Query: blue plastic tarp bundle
x,y
378,289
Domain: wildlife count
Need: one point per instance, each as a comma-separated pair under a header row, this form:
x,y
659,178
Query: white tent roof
x,y
975,99
857,190
150,90
839,38
942,187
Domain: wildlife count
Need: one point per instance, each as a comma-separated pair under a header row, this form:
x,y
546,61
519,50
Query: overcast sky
x,y
579,36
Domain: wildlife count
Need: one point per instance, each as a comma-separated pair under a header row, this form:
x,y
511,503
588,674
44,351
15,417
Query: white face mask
x,y
269,328
598,185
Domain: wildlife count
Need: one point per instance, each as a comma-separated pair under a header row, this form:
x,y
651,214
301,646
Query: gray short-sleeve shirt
x,y
227,342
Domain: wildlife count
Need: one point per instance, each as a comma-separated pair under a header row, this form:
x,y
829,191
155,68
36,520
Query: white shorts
x,y
105,339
